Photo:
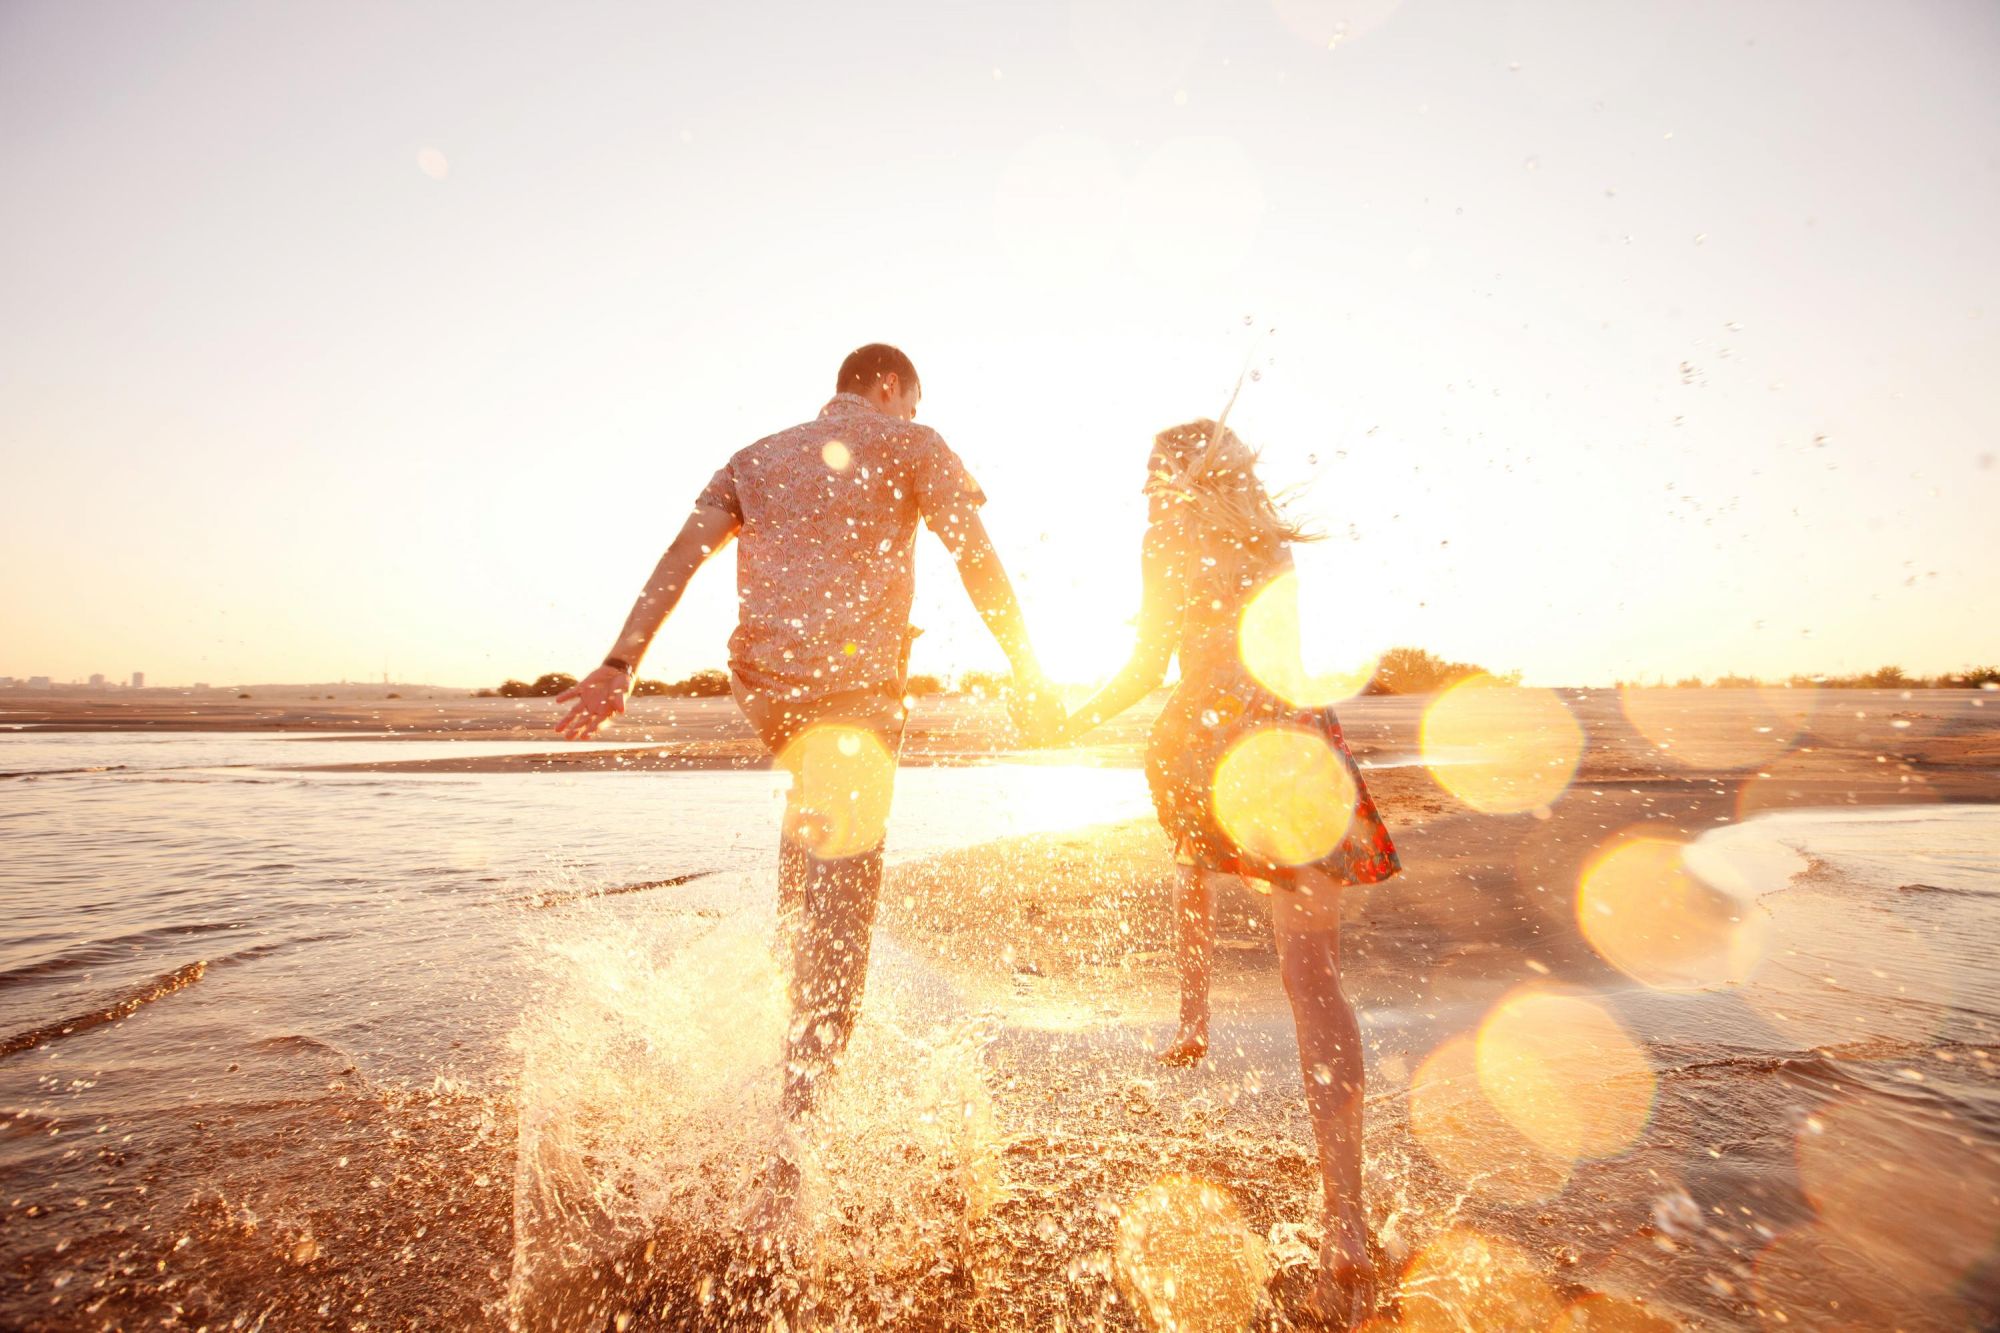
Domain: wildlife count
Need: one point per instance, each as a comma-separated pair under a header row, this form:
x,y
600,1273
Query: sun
x,y
1080,640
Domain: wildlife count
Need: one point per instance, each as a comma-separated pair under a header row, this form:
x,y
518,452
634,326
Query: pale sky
x,y
1612,340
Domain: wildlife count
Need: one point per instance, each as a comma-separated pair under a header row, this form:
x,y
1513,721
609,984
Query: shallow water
x,y
321,1048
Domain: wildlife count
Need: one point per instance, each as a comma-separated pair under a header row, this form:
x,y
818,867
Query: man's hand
x,y
592,701
1037,711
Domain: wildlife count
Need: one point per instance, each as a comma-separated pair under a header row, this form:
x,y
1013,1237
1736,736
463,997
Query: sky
x,y
1603,341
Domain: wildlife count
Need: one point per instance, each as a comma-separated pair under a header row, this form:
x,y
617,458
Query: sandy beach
x,y
374,1173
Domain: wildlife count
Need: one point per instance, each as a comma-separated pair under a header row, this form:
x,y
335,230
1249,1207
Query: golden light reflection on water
x,y
1897,988
1688,730
1565,1074
842,780
1499,748
1187,1260
1268,637
1649,917
1465,1280
1283,796
1916,1195
1599,1313
1451,1116
1810,1278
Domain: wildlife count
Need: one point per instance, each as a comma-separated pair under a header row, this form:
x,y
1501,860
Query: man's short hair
x,y
867,365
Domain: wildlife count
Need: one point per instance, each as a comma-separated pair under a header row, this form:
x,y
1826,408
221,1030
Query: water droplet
x,y
1312,460
1256,374
1248,320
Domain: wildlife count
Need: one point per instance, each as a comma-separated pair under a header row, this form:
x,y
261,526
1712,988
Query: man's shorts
x,y
841,752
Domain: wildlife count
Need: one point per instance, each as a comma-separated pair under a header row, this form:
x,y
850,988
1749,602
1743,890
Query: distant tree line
x,y
1416,671
701,685
1882,678
1401,671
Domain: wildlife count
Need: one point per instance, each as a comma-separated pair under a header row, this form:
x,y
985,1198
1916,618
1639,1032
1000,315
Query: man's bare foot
x,y
1344,1295
773,1210
1190,1045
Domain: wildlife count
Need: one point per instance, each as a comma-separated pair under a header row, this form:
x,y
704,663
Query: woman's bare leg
x,y
1307,918
1194,951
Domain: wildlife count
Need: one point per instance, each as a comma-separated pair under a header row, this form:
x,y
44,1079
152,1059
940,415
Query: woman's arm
x,y
1160,612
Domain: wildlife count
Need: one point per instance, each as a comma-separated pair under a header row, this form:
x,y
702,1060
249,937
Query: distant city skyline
x,y
1647,340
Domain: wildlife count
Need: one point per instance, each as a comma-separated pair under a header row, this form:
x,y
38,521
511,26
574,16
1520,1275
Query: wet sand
x,y
316,1198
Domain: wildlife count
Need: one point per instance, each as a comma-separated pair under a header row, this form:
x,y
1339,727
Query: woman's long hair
x,y
1205,478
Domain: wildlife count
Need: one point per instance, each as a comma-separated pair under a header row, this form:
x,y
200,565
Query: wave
x,y
124,1007
100,952
559,899
57,772
1945,889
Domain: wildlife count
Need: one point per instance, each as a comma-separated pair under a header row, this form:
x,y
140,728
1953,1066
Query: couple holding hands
x,y
1245,780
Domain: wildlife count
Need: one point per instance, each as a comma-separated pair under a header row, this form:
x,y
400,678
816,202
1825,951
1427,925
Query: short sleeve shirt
x,y
825,564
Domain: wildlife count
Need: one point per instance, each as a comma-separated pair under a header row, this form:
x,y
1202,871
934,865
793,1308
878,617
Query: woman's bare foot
x,y
1344,1295
1189,1046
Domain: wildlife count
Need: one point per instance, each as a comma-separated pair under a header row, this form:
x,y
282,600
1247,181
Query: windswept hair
x,y
1203,476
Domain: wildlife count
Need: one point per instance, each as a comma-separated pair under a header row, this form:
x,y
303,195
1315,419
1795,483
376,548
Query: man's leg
x,y
830,876
1307,919
830,943
842,761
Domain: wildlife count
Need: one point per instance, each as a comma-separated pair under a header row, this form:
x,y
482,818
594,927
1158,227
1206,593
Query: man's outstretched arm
x,y
595,698
992,594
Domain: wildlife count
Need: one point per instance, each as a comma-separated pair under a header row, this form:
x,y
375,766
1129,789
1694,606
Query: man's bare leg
x,y
1307,918
827,942
829,971
1194,952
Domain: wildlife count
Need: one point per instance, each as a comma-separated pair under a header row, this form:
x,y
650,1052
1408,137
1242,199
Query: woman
x,y
1247,780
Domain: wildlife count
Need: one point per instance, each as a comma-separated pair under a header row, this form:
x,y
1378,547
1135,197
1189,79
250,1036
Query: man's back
x,y
825,567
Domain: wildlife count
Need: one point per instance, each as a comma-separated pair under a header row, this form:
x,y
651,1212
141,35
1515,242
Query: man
x,y
825,514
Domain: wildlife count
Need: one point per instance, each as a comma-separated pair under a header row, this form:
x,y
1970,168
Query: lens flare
x,y
1326,24
1599,1313
1649,917
1187,1260
1499,748
1687,728
1565,1074
1468,1136
1283,796
1914,1194
1269,638
836,455
1464,1280
842,780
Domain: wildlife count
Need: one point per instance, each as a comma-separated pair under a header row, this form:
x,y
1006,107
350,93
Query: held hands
x,y
1037,712
592,702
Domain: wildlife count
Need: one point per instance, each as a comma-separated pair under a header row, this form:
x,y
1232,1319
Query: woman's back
x,y
1215,575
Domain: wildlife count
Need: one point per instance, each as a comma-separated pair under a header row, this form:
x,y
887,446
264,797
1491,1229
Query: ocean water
x,y
286,1048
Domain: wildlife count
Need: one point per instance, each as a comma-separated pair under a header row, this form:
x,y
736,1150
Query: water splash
x,y
649,1102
